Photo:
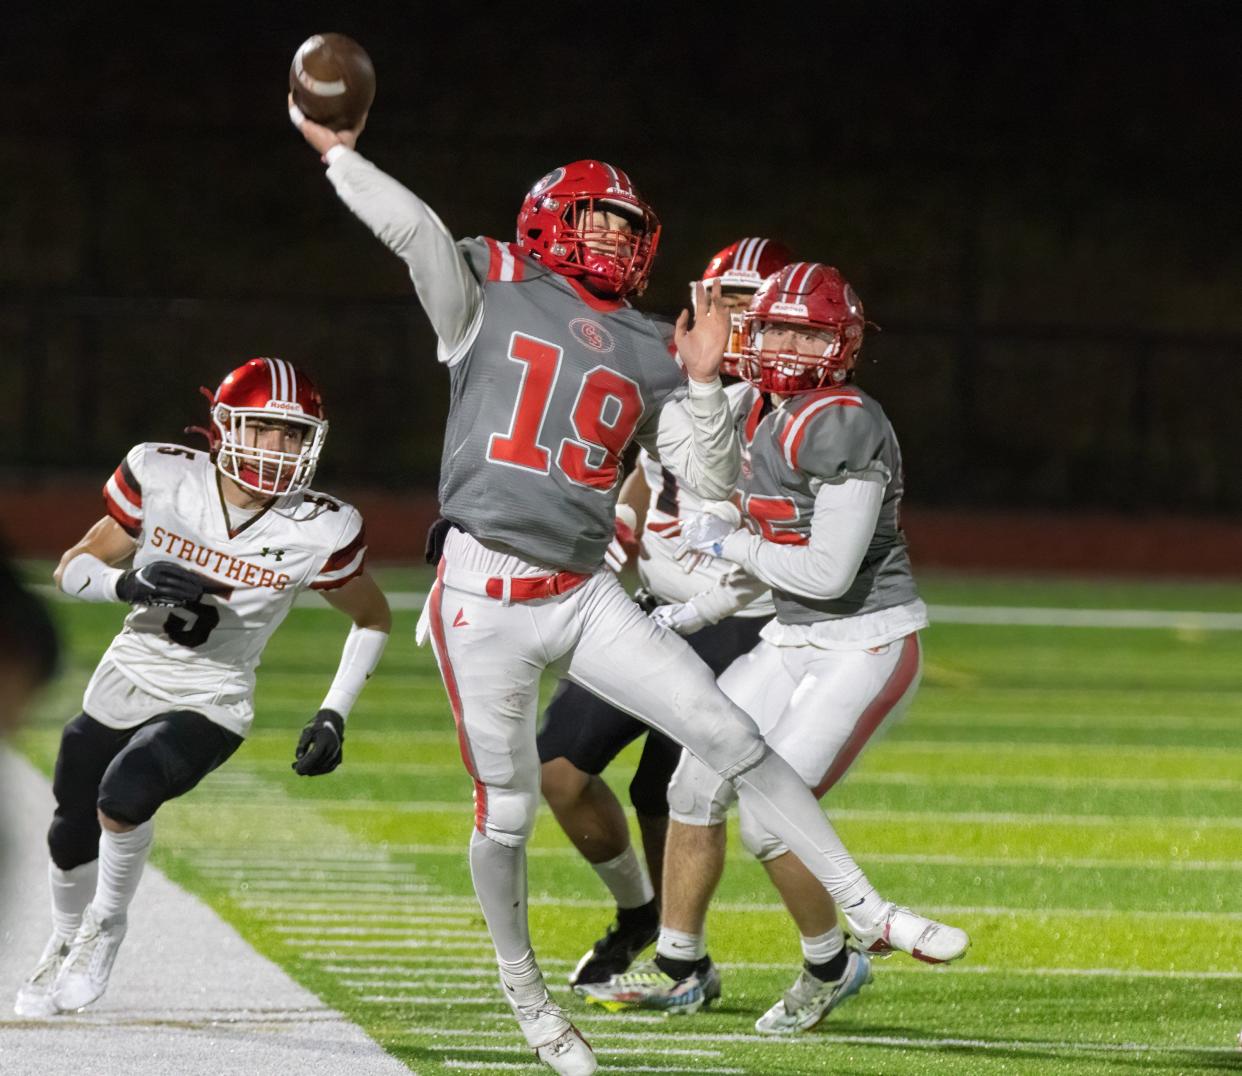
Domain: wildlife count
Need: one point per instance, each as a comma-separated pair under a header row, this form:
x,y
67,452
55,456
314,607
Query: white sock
x,y
823,947
524,979
121,859
72,891
678,945
499,874
626,879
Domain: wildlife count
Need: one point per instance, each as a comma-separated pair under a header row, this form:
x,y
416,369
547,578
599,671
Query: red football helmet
x,y
260,393
813,298
741,267
555,226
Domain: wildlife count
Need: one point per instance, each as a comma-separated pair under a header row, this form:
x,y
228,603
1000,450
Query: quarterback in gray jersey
x,y
552,374
821,488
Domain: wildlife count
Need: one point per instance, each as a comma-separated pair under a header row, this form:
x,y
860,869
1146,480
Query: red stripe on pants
x,y
873,716
450,685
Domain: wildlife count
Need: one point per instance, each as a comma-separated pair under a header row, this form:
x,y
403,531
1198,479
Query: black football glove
x,y
164,583
319,747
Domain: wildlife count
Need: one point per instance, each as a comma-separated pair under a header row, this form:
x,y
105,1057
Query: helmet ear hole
x,y
535,233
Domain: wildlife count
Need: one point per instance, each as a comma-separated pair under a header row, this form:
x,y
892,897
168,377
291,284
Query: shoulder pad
x,y
832,433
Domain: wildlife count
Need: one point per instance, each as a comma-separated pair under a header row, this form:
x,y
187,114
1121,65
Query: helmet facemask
x,y
787,370
615,260
268,471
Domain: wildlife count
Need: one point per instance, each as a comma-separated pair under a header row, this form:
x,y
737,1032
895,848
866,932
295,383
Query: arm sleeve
x,y
349,558
405,224
694,437
735,591
122,492
842,526
361,654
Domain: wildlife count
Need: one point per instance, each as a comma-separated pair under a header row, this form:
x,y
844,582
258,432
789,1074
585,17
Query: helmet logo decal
x,y
549,180
593,335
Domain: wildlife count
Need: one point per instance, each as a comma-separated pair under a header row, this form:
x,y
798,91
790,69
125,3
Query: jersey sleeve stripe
x,y
332,580
130,524
493,259
345,554
130,485
791,439
130,506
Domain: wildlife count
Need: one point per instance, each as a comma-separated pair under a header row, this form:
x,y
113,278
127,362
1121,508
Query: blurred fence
x,y
998,416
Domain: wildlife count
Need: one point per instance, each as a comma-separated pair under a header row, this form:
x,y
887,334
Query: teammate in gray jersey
x,y
822,487
581,734
552,373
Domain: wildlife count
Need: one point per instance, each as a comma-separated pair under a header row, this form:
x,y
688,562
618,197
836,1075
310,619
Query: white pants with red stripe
x,y
491,655
816,708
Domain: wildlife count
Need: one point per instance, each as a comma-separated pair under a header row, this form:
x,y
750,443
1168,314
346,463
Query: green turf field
x,y
1071,796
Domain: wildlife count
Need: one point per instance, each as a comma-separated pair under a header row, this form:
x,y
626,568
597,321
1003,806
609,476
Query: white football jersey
x,y
203,656
671,503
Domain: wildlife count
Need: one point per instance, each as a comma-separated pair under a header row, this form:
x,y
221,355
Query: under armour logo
x,y
268,551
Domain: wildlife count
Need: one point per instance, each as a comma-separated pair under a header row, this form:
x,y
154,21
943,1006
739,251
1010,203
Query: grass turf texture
x,y
1070,796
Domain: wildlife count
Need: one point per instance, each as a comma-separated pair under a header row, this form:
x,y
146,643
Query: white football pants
x,y
491,655
815,708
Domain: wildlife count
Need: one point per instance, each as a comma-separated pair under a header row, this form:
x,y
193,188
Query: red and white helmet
x,y
741,267
812,297
553,226
258,393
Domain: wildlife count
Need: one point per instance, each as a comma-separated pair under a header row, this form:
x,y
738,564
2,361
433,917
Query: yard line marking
x,y
353,963
355,917
983,969
419,984
425,999
1041,818
615,1051
397,932
395,943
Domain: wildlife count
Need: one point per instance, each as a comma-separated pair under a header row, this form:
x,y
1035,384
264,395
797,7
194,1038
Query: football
x,y
332,80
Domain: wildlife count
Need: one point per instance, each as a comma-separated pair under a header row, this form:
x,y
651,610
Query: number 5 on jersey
x,y
604,417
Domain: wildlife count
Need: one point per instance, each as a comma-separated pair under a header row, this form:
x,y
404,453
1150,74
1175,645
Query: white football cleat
x,y
34,996
900,928
809,1000
556,1042
84,977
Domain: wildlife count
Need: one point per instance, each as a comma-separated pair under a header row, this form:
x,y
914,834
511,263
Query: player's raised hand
x,y
319,747
702,348
323,138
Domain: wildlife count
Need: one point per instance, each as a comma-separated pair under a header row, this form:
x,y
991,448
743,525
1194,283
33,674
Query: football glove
x,y
319,747
624,545
683,618
164,583
705,532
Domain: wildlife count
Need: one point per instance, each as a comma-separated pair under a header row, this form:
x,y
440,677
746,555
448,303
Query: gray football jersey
x,y
550,391
811,440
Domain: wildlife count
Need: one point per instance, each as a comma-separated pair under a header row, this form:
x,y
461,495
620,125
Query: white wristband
x,y
359,658
89,579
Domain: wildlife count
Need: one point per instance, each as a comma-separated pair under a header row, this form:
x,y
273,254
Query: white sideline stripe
x,y
820,1040
526,1066
337,887
418,984
353,917
616,1051
407,964
370,931
479,948
426,999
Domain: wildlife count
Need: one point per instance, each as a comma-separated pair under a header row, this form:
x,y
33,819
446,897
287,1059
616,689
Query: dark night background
x,y
1037,203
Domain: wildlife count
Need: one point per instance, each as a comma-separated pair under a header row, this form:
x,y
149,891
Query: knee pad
x,y
761,844
697,795
506,815
73,839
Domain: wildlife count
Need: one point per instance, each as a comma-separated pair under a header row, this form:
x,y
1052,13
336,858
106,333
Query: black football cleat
x,y
630,933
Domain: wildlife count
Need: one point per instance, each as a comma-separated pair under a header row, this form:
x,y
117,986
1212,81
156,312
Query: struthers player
x,y
581,733
822,492
551,374
222,542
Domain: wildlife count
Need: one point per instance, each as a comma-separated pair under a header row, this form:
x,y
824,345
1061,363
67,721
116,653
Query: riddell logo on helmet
x,y
594,335
797,310
284,405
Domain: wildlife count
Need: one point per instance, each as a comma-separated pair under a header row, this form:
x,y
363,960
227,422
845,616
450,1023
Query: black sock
x,y
645,915
681,969
830,970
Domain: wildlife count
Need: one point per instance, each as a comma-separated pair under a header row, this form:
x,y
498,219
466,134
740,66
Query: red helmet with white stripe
x,y
268,427
741,267
803,330
562,224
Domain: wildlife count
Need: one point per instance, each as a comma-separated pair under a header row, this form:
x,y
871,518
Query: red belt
x,y
530,588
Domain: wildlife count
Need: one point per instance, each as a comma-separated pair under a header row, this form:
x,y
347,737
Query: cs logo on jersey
x,y
593,335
